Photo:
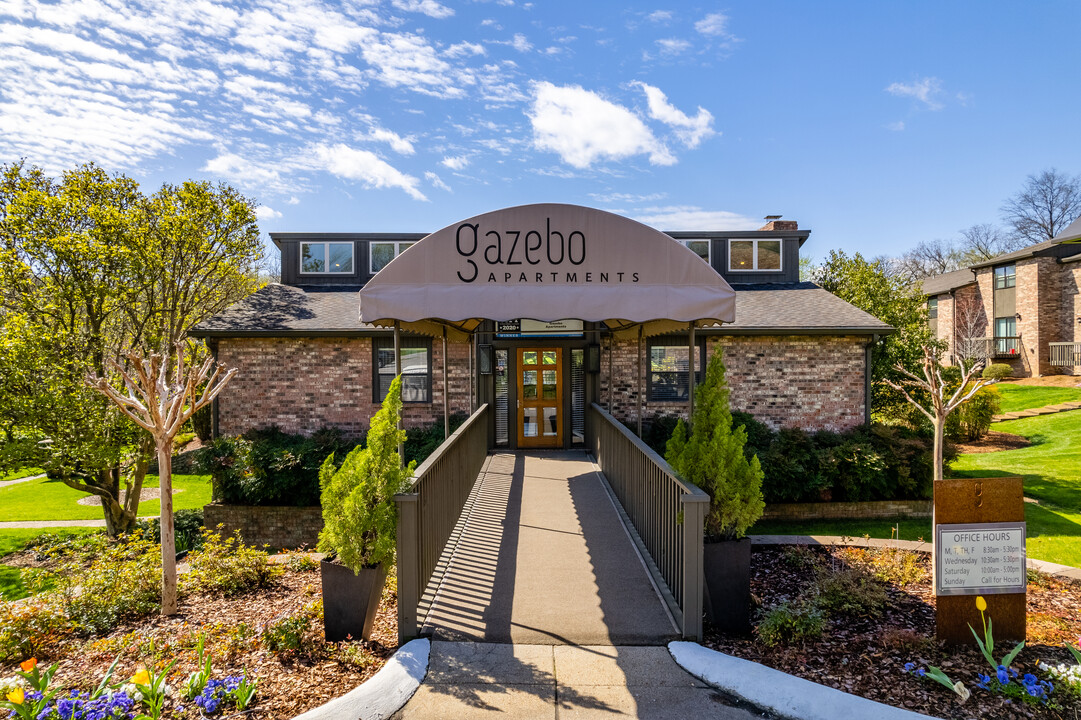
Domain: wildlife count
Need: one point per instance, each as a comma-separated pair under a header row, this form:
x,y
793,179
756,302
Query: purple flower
x,y
1003,676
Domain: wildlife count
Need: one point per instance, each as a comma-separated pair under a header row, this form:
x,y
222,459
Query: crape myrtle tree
x,y
160,399
934,396
91,268
870,286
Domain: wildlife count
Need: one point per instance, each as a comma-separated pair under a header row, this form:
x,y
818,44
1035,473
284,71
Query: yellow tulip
x,y
28,665
141,678
981,604
16,696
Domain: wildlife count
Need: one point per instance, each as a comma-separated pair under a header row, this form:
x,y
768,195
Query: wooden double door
x,y
540,397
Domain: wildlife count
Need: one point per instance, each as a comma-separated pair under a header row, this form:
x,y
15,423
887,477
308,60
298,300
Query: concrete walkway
x,y
1035,412
482,680
16,481
543,558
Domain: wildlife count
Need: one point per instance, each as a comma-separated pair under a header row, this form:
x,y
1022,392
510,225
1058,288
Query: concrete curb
x,y
778,692
383,694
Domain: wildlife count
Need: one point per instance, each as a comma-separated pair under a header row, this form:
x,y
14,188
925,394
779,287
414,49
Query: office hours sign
x,y
980,558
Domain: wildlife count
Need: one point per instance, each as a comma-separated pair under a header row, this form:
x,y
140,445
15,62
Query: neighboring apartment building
x,y
1022,308
796,354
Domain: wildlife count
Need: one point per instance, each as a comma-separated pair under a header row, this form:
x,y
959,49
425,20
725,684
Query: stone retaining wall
x,y
848,510
278,527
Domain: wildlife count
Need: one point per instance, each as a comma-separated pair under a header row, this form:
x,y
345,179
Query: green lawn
x,y
1023,397
1051,467
24,472
47,499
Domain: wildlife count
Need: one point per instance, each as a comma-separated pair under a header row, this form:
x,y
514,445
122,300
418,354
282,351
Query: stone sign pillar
x,y
979,550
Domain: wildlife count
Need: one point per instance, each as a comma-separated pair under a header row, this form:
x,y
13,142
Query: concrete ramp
x,y
544,559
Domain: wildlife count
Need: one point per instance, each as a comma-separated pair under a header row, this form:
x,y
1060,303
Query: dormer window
x,y
381,253
751,255
326,258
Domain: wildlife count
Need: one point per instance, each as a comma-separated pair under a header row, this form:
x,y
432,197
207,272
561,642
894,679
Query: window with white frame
x,y
380,253
416,369
699,247
326,257
755,254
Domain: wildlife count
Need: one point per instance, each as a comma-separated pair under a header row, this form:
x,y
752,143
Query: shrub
x,y
973,419
226,565
712,457
420,442
657,432
998,371
888,565
202,423
267,466
359,515
786,623
793,468
294,633
28,627
187,526
107,581
849,591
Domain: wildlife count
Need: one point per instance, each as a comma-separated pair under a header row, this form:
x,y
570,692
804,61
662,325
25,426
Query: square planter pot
x,y
727,566
350,601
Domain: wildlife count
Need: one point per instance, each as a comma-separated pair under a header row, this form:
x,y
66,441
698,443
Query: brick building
x,y
1022,308
796,355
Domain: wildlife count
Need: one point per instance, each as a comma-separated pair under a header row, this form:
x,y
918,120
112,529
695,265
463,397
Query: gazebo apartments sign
x,y
529,255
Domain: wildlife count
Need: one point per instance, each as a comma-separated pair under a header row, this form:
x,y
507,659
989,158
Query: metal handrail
x,y
667,513
1065,354
1000,346
429,510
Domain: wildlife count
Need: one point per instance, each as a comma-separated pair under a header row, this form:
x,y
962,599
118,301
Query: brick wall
x,y
278,527
811,382
302,384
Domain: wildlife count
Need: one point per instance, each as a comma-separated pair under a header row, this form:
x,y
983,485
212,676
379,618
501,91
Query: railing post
x,y
408,565
694,515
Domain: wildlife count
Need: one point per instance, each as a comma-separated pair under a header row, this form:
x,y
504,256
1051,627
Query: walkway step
x,y
479,680
1036,412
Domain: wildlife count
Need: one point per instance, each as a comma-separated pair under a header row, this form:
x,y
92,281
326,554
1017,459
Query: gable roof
x,y
944,283
1069,236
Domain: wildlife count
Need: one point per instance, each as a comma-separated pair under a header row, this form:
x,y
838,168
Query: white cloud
x,y
264,212
714,24
659,16
436,181
465,49
616,197
243,170
692,217
690,130
293,200
673,46
896,126
926,90
583,128
455,163
520,43
363,165
427,7
397,143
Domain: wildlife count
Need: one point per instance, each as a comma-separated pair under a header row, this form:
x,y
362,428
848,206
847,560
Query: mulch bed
x,y
866,656
994,441
290,682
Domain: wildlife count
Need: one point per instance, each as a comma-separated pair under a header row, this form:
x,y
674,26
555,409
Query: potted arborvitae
x,y
360,523
712,457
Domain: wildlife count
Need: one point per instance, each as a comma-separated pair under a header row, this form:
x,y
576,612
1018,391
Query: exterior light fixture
x,y
593,358
1017,316
484,359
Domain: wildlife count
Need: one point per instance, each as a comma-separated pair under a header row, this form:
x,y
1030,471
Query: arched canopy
x,y
547,262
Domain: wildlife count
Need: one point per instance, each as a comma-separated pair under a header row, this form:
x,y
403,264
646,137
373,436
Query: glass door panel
x,y
540,397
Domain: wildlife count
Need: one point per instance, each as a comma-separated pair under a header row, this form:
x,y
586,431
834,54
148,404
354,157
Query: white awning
x,y
547,262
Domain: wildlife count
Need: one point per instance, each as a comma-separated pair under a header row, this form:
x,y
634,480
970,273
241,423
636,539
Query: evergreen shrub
x,y
998,371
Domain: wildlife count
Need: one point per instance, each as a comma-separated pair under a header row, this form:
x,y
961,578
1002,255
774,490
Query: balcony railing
x,y
996,347
1066,354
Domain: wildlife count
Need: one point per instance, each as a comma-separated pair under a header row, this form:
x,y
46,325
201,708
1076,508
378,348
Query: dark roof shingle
x,y
938,284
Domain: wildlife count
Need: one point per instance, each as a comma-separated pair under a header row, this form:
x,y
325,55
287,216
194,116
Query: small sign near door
x,y
536,328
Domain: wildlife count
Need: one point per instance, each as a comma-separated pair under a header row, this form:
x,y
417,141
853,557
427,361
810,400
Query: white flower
x,y
961,690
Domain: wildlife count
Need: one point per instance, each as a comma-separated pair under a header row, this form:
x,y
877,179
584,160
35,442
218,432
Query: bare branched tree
x,y
161,396
969,328
929,257
936,402
1044,206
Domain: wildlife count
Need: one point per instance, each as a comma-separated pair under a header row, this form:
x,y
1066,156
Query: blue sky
x,y
876,125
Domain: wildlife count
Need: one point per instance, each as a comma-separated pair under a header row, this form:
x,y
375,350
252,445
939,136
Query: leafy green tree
x,y
712,458
870,286
91,268
359,515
